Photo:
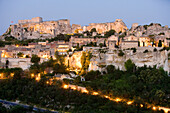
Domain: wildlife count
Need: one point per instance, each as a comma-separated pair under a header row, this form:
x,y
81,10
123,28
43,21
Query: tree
x,y
130,66
152,76
101,45
92,75
160,43
18,73
120,53
35,59
20,54
7,63
59,58
110,69
154,49
109,33
104,43
93,30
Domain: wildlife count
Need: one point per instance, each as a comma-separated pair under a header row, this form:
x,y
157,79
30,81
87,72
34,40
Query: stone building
x,y
129,42
112,42
144,41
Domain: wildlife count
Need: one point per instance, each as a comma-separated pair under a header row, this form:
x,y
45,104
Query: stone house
x,y
144,41
112,42
129,42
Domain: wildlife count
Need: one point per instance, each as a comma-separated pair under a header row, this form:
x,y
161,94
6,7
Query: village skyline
x,y
142,12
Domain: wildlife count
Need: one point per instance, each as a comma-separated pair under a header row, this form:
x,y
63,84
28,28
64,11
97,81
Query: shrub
x,y
160,43
120,53
154,49
161,33
146,51
134,50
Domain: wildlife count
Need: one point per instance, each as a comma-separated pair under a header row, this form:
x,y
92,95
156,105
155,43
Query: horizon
x,y
85,12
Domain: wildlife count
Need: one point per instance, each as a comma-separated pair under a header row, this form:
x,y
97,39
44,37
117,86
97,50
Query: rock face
x,y
160,59
153,30
37,28
118,26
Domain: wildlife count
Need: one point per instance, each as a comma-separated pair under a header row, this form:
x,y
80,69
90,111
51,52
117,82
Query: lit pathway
x,y
129,102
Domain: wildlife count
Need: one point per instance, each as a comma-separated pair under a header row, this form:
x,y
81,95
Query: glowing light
x,y
39,75
37,78
47,82
32,75
85,91
95,93
12,74
106,96
17,45
129,102
118,100
141,105
74,88
65,87
154,108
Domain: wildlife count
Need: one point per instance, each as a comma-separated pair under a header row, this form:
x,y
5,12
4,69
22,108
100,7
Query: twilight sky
x,y
86,11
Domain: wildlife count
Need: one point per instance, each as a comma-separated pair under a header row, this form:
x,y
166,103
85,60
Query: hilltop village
x,y
100,68
110,43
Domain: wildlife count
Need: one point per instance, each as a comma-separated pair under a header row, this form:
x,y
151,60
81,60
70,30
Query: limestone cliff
x,y
160,59
37,28
154,30
118,26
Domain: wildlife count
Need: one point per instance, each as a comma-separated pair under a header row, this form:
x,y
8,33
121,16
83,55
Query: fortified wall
x,y
33,20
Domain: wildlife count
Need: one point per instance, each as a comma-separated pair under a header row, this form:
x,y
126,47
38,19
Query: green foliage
x,y
121,53
145,26
101,45
10,38
160,43
91,44
87,32
130,66
27,56
26,30
154,50
93,30
122,36
151,24
59,58
134,50
146,51
151,36
92,75
85,61
161,33
109,33
35,59
20,54
110,69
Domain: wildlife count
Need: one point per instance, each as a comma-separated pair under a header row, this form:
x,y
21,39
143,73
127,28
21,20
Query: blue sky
x,y
86,11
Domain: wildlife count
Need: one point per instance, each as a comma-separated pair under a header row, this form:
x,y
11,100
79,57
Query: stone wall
x,y
33,20
23,63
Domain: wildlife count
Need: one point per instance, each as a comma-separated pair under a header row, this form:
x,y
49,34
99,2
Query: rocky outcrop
x,y
118,26
154,30
37,28
139,58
